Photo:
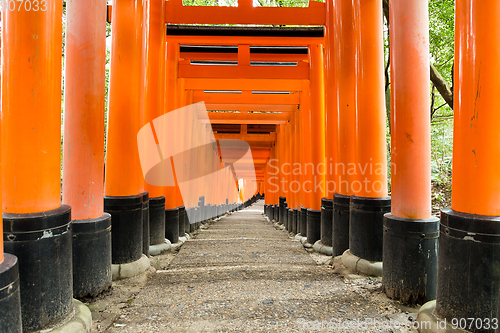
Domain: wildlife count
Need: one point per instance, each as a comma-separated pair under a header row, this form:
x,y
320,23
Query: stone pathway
x,y
241,274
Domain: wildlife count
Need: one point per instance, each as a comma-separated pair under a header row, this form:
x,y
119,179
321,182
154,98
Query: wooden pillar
x,y
305,121
410,263
123,170
331,102
152,100
31,159
345,80
469,256
124,182
83,159
317,103
172,101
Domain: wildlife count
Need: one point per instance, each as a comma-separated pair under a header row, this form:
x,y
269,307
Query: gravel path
x,y
242,274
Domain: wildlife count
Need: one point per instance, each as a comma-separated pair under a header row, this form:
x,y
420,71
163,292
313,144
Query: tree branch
x,y
442,86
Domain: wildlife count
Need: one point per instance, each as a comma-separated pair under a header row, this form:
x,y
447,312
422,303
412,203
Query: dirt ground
x,y
241,274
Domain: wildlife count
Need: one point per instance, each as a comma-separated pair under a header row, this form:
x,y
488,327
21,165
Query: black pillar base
x,y
42,243
281,207
285,215
186,221
157,220
126,225
172,225
410,259
340,230
313,226
91,256
326,221
303,222
266,211
10,298
182,222
468,280
190,216
145,223
295,216
299,220
289,219
366,223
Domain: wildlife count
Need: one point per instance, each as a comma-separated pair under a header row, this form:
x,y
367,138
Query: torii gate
x,y
330,113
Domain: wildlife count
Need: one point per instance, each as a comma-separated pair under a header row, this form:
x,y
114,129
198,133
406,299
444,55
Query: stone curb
x,y
318,247
372,268
177,245
158,249
123,271
300,238
429,323
80,322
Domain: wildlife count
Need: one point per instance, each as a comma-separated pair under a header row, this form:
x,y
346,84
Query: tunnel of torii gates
x,y
309,102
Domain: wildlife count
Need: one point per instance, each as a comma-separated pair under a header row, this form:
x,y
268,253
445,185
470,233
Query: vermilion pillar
x,y
371,152
83,150
331,101
410,262
84,109
317,133
152,103
345,78
124,183
153,98
271,186
123,171
469,257
10,303
287,173
369,185
31,157
331,130
183,126
281,142
331,124
295,186
340,13
267,198
304,123
290,196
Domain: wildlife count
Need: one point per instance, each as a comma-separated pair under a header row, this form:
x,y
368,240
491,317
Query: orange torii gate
x,y
309,103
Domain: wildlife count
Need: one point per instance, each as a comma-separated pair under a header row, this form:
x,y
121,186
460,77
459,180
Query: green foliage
x,y
441,35
442,43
